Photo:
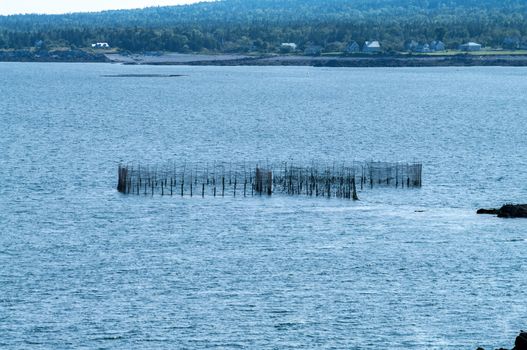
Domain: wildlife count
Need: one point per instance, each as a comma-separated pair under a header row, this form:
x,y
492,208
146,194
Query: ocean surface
x,y
82,266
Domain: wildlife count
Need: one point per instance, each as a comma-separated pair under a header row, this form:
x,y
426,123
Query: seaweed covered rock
x,y
521,341
488,211
507,211
513,211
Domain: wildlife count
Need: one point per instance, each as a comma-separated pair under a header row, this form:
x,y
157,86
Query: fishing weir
x,y
244,179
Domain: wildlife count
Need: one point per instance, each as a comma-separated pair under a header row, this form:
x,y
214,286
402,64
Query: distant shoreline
x,y
396,60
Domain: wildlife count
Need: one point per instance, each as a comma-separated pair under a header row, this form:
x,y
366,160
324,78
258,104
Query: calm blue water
x,y
84,267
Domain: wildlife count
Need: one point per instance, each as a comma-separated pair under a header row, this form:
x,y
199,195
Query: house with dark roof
x,y
353,47
437,45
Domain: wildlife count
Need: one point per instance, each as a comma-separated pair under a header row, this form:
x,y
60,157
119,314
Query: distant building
x,y
424,48
411,45
39,44
353,47
313,50
511,43
100,46
372,47
471,46
414,46
437,45
290,46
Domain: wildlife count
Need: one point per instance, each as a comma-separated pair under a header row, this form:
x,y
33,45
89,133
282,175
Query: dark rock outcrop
x,y
519,344
521,341
488,211
507,211
513,211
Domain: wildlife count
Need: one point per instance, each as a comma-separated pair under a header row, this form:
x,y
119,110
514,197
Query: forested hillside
x,y
262,25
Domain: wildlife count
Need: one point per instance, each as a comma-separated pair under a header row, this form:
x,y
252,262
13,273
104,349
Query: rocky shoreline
x,y
51,56
395,60
324,61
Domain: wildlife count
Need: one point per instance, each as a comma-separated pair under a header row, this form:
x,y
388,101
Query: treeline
x,y
262,25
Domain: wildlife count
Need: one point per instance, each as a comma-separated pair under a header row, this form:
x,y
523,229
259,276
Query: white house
x,y
424,48
372,47
100,46
291,46
471,46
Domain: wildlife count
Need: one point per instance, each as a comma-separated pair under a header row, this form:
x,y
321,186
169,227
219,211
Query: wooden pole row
x,y
311,180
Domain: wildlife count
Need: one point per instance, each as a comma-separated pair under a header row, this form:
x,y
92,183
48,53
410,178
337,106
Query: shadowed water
x,y
85,267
